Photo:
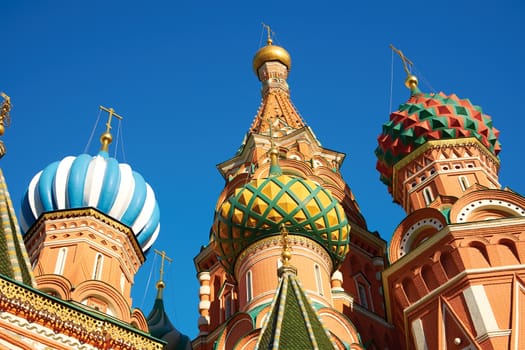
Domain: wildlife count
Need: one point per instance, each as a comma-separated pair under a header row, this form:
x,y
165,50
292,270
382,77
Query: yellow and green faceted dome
x,y
430,116
258,209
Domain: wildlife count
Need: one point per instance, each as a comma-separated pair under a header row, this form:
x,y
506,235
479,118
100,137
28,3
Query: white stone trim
x,y
458,277
468,209
480,310
419,335
404,244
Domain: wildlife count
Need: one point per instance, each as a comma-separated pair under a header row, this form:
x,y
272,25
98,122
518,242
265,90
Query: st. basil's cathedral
x,y
290,262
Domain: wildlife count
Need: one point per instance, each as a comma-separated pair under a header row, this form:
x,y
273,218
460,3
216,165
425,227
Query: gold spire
x,y
411,80
286,254
5,120
275,169
106,138
5,108
160,283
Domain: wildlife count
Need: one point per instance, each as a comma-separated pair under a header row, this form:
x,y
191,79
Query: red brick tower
x,y
282,176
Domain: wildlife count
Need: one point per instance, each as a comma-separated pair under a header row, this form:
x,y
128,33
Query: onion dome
x,y
430,116
259,209
271,53
161,327
99,182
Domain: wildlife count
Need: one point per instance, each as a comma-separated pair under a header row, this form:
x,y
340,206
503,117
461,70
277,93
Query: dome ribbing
x,y
99,182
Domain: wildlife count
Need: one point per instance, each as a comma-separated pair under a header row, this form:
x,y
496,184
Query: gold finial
x,y
106,137
160,283
269,40
275,169
286,254
5,108
411,80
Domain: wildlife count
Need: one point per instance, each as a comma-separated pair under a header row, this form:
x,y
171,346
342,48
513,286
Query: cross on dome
x,y
106,138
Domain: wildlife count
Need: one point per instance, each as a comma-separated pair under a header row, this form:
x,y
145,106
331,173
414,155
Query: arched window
x,y
318,280
97,270
463,182
428,195
249,291
363,295
227,306
448,264
61,261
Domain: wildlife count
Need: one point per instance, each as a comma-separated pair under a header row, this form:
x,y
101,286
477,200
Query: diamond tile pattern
x,y
259,208
429,116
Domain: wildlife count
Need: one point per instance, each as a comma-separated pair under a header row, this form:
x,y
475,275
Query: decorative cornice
x,y
275,241
71,320
88,212
467,141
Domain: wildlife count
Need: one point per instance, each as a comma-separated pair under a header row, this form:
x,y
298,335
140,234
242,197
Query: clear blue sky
x,y
180,73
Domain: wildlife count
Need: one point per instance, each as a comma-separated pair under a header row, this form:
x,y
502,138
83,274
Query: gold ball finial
x,y
286,255
411,82
105,140
161,285
2,129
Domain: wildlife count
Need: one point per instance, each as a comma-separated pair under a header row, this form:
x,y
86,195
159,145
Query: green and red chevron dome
x,y
430,116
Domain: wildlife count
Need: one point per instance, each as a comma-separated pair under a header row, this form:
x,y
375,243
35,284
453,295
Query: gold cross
x,y
106,137
406,61
267,27
112,113
163,257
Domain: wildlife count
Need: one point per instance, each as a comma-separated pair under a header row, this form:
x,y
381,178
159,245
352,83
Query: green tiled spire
x,y
14,261
293,323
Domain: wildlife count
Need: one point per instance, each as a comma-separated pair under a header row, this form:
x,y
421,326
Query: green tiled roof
x,y
293,323
14,261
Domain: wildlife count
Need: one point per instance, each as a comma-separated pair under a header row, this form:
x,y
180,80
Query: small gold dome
x,y
271,53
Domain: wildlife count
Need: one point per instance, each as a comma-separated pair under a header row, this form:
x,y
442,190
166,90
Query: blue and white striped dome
x,y
99,182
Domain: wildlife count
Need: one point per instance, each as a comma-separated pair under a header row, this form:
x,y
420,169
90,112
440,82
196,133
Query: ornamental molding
x,y
67,323
438,144
472,207
43,332
110,246
406,239
275,242
447,143
89,213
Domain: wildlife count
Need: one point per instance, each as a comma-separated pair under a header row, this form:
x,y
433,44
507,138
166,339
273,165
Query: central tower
x,y
282,178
